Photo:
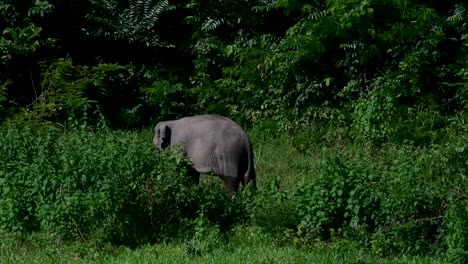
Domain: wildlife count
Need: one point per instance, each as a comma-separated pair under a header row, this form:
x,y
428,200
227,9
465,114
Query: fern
x,y
268,5
146,12
318,15
208,23
458,14
193,19
140,19
136,23
353,46
211,24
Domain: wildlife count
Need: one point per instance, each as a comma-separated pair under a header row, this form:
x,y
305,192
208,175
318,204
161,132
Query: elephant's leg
x,y
231,183
194,174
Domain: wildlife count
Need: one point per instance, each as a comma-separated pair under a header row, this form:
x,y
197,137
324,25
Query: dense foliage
x,y
381,85
380,66
112,187
108,186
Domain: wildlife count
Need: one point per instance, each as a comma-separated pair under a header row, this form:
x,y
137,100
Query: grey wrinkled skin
x,y
214,144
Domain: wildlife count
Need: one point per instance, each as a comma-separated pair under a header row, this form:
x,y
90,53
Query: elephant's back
x,y
217,123
207,118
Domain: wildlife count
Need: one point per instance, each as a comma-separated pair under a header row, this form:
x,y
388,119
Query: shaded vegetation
x,y
389,69
111,188
356,110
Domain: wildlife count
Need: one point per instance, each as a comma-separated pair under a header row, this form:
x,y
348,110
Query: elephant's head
x,y
162,136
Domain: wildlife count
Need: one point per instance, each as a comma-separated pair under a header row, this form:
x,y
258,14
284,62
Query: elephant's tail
x,y
250,176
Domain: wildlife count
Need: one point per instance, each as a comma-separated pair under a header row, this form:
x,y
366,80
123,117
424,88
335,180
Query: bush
x,y
456,218
103,185
456,235
394,199
341,196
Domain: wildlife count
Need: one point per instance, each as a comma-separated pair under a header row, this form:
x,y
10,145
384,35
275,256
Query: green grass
x,y
306,186
247,245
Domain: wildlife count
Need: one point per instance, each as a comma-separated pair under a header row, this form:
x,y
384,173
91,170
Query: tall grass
x,y
244,246
108,188
396,199
98,185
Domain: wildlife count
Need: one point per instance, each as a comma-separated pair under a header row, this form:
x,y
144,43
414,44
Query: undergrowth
x,y
106,186
112,188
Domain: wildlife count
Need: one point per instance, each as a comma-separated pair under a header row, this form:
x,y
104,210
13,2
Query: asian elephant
x,y
214,144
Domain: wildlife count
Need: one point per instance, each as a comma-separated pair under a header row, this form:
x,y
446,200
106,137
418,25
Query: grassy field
x,y
245,246
317,203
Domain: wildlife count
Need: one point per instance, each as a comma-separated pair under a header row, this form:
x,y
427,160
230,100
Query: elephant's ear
x,y
165,135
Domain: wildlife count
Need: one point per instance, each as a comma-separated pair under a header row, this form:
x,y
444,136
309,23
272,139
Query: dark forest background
x,y
356,110
385,69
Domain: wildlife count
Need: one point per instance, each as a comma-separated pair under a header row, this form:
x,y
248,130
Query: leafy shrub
x,y
68,90
456,218
340,196
375,115
456,235
164,101
101,185
394,199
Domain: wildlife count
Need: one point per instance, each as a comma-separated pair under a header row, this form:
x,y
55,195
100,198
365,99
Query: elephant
x,y
214,144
